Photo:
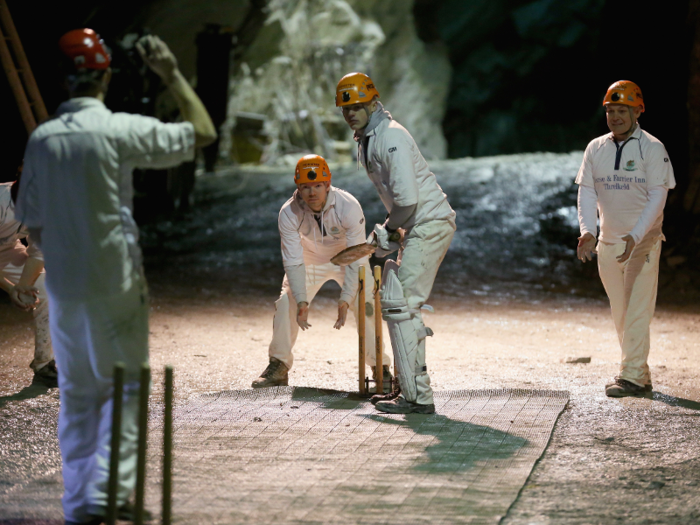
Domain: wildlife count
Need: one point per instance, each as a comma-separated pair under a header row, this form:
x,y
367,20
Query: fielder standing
x,y
319,221
76,200
416,205
624,178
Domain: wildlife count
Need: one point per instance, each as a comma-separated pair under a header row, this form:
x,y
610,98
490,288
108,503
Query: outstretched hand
x,y
157,56
303,316
628,248
586,247
342,315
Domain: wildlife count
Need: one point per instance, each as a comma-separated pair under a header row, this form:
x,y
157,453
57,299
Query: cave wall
x,y
290,72
466,78
530,75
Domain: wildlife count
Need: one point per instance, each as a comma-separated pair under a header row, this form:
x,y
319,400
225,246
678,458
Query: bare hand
x,y
303,316
342,315
157,55
628,248
20,294
586,247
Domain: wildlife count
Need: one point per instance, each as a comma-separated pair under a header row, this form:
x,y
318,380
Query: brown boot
x,y
387,397
276,374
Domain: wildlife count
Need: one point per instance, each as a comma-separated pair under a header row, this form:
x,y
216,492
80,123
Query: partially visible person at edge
x,y
418,208
22,277
319,221
76,200
624,178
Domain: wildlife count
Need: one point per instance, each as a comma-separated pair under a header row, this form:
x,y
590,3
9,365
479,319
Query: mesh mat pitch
x,y
297,455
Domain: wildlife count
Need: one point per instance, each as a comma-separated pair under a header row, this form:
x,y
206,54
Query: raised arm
x,y
157,55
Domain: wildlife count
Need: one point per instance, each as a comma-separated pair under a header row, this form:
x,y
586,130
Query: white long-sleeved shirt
x,y
312,238
77,189
627,183
12,251
401,175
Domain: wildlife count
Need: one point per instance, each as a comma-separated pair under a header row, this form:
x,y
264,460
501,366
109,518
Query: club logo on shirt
x,y
392,150
630,166
665,159
335,229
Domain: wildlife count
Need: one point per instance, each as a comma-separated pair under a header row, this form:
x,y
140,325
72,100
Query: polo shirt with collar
x,y
622,174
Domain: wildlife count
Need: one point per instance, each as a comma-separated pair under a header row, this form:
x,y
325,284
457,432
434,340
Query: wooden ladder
x,y
19,74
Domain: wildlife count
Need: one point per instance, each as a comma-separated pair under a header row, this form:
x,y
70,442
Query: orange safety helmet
x,y
355,88
85,49
312,168
626,93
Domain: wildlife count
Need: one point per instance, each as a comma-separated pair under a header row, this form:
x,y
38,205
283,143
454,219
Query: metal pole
x,y
168,447
113,483
141,454
361,327
8,65
378,330
27,76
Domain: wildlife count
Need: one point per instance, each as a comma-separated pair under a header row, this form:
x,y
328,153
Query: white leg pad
x,y
407,335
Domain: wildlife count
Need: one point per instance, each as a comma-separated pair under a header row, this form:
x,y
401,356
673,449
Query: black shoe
x,y
97,520
47,375
127,512
401,406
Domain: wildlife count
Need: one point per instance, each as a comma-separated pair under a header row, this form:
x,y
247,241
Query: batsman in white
x,y
319,221
22,277
416,206
624,178
76,200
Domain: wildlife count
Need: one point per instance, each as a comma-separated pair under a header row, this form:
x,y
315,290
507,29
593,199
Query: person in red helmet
x,y
624,180
76,200
319,221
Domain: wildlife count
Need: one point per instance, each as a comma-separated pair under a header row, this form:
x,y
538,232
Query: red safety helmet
x,y
85,49
312,168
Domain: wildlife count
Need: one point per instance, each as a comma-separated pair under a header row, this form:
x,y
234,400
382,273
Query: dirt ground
x,y
214,277
609,461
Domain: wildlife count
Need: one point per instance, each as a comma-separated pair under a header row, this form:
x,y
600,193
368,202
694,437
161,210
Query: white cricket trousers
x,y
631,287
284,325
43,351
423,250
89,338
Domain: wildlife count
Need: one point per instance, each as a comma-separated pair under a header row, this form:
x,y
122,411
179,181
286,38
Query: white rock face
x,y
289,75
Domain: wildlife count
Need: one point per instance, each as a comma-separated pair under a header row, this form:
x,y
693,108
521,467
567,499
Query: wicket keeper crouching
x,y
315,224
